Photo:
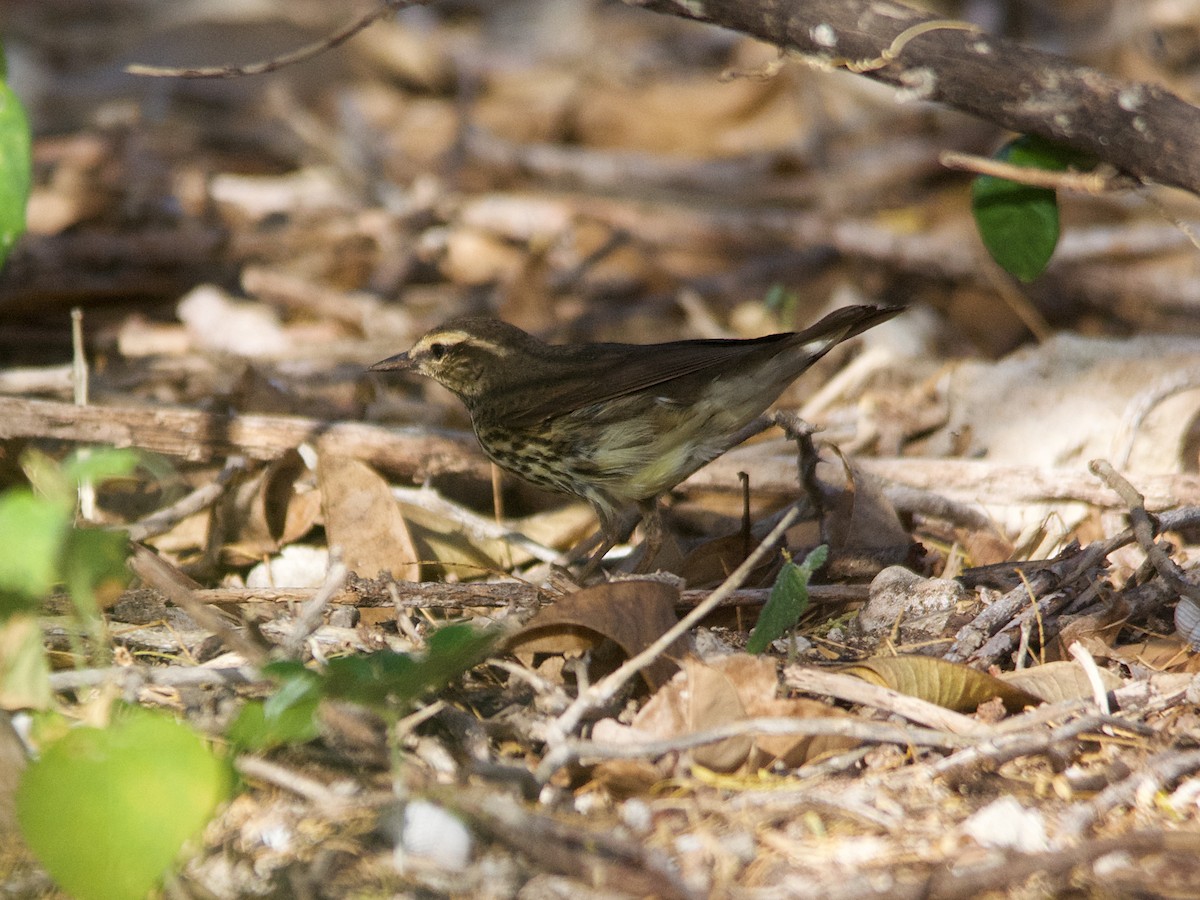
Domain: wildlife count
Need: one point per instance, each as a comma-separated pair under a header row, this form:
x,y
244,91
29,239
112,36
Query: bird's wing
x,y
610,371
618,370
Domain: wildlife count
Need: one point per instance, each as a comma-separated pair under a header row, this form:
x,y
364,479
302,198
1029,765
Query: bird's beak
x,y
401,362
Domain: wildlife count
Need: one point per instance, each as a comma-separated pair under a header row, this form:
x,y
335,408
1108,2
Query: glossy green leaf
x,y
1019,224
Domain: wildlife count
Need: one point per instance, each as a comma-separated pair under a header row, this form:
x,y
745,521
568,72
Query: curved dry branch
x,y
1142,129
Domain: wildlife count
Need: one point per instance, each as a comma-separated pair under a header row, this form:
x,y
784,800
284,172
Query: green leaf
x,y
40,549
289,716
32,535
387,679
100,464
93,560
788,600
1019,224
107,811
15,169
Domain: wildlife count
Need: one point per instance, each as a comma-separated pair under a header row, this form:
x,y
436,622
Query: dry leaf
x,y
268,512
1055,681
1169,654
863,529
631,614
1096,633
724,691
362,518
711,700
757,683
947,684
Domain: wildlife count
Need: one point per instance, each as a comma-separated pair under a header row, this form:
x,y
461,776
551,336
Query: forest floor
x,y
991,691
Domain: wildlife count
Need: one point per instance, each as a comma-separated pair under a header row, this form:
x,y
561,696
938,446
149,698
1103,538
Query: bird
x,y
618,425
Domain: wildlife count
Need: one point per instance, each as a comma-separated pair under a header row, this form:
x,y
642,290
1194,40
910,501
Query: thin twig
x,y
276,62
163,520
1088,662
1144,529
1152,776
475,525
608,687
168,676
994,751
272,773
847,726
855,690
1102,180
147,565
313,612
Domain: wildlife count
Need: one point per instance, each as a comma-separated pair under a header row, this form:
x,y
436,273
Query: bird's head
x,y
468,356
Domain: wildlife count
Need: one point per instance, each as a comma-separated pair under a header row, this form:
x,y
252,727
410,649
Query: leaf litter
x,y
244,253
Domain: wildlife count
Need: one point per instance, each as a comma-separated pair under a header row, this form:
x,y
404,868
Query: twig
x,y
855,690
37,380
969,642
973,481
170,676
272,773
163,520
1139,128
313,612
1101,181
1013,868
1144,529
1151,776
79,382
277,62
592,854
994,751
475,525
608,687
199,436
441,595
1142,404
1099,691
859,729
151,569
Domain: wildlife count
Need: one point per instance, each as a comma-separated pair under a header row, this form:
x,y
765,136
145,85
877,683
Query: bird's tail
x,y
842,324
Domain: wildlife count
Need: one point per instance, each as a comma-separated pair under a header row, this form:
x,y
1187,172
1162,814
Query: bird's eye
x,y
437,351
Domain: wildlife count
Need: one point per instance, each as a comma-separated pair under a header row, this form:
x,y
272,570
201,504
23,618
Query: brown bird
x,y
617,424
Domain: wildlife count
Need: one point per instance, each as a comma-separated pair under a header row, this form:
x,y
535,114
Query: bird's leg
x,y
799,431
652,534
806,459
607,537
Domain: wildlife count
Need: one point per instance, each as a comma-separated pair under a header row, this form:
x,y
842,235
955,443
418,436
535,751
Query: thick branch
x,y
1140,128
202,436
417,453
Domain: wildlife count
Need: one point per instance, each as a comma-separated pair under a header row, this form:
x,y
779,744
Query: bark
x,y
1140,128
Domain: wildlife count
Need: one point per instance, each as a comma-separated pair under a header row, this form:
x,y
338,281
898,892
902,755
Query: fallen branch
x,y
438,595
1140,128
415,453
